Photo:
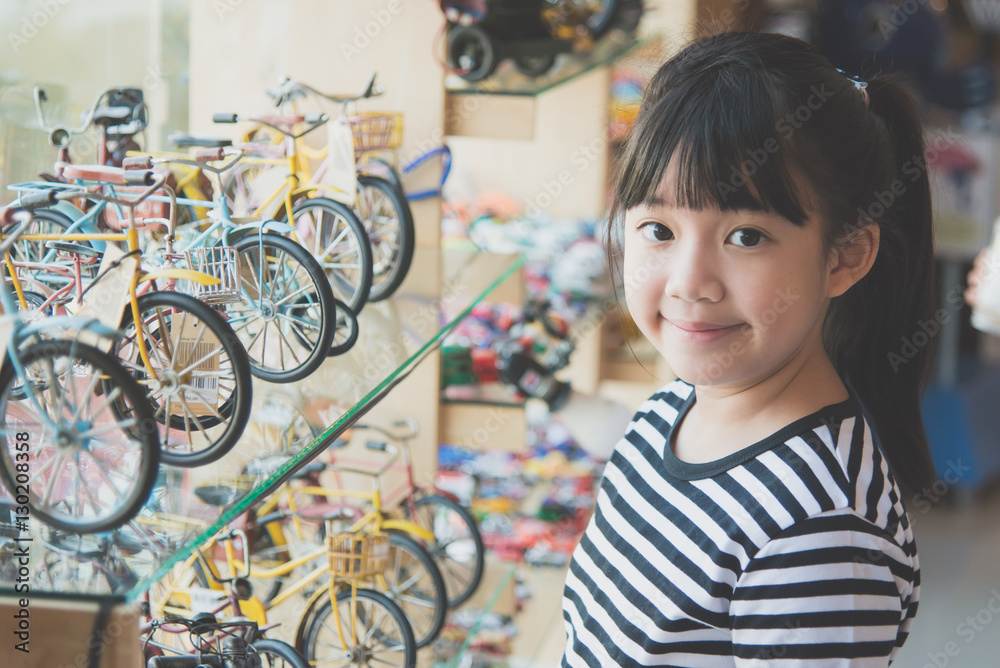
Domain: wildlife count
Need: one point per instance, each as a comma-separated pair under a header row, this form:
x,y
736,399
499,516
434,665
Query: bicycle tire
x,y
388,221
137,449
385,170
601,22
458,545
472,52
335,236
279,649
400,647
346,334
301,278
424,599
199,433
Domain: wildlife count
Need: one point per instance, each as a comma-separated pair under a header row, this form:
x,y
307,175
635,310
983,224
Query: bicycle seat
x,y
76,249
182,140
216,495
103,173
50,178
203,623
106,116
321,511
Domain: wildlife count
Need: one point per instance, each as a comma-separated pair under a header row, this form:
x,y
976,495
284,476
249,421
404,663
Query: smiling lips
x,y
701,332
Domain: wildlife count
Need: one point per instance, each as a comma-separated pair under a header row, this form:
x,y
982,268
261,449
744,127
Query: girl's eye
x,y
747,237
656,232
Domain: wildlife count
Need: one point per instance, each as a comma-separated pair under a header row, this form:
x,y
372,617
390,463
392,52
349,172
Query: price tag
x,y
107,298
340,152
205,600
196,343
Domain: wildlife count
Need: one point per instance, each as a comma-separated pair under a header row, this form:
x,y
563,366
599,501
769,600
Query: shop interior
x,y
415,192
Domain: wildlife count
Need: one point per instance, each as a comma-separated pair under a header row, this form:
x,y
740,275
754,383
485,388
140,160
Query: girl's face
x,y
727,297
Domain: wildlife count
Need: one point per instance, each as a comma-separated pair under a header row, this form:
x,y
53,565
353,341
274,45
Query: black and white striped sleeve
x,y
831,590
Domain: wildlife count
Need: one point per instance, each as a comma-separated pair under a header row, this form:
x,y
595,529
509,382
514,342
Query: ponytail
x,y
867,328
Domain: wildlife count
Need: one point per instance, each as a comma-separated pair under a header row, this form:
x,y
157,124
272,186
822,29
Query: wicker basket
x,y
221,262
375,131
358,555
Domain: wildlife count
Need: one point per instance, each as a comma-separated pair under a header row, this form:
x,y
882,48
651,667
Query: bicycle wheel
x,y
201,393
384,636
603,15
389,223
244,194
413,581
276,654
332,233
80,468
45,221
346,334
286,318
457,547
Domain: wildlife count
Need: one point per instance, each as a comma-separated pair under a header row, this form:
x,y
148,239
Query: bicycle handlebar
x,y
289,88
148,161
139,178
59,135
312,122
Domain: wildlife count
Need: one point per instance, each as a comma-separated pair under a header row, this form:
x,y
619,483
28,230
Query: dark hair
x,y
741,113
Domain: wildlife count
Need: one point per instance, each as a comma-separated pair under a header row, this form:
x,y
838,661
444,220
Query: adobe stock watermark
x,y
911,171
370,30
35,22
582,157
901,14
223,7
725,20
786,127
967,630
783,300
954,474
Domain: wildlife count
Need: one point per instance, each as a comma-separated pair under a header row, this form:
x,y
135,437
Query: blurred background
x,y
532,112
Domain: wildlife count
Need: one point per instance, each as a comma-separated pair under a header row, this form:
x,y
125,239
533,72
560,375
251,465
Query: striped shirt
x,y
795,551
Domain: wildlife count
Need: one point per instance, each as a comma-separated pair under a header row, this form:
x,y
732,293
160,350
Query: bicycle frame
x,y
131,238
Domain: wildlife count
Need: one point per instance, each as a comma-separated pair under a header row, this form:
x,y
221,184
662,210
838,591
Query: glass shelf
x,y
458,659
508,81
395,335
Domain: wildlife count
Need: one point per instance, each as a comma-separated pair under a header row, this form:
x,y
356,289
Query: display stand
x,y
401,335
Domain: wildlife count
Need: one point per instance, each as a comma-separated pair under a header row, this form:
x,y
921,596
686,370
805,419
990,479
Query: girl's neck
x,y
726,419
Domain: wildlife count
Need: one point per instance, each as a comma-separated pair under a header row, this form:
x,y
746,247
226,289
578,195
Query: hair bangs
x,y
728,156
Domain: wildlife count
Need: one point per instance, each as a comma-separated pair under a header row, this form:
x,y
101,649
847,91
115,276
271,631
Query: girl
x,y
775,222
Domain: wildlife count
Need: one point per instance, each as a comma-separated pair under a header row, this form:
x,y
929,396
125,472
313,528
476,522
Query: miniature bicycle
x,y
237,642
64,455
345,172
283,290
327,227
457,546
331,637
414,580
195,370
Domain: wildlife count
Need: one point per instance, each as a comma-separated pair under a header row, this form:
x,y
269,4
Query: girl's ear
x,y
852,258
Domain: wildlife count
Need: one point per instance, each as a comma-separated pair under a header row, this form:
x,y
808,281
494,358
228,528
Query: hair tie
x,y
860,85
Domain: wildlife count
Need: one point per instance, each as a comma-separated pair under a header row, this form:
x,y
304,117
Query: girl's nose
x,y
691,276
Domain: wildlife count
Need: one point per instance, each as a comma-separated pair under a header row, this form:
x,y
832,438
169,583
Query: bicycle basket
x,y
221,262
358,555
376,130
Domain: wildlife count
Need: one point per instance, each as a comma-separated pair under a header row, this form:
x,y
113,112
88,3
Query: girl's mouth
x,y
700,331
